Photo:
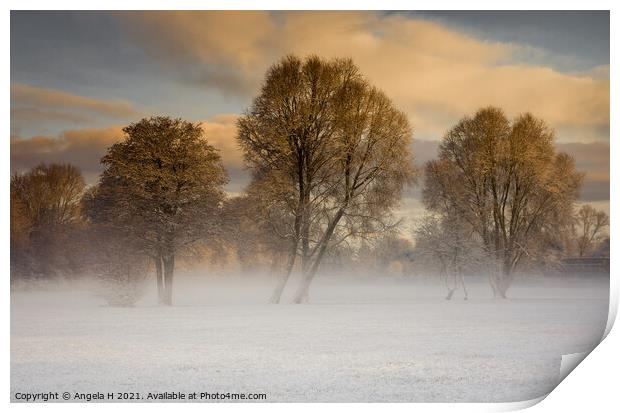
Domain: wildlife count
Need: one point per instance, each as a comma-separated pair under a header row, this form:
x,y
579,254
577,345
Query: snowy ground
x,y
364,340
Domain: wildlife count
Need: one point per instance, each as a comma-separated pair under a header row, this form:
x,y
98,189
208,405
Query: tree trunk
x,y
498,284
301,296
504,279
302,293
305,233
277,293
160,279
462,278
299,219
504,283
493,289
499,279
303,299
447,282
501,291
168,276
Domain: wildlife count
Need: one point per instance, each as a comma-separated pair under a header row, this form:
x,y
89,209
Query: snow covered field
x,y
358,340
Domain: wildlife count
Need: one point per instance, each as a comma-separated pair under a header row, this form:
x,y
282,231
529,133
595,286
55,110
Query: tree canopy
x,y
507,181
331,149
163,186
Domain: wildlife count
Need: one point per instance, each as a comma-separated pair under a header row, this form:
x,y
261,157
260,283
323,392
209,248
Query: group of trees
x,y
330,156
160,192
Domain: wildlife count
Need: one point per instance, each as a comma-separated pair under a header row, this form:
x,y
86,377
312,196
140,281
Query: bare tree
x,y
590,229
333,151
506,181
283,136
50,194
163,184
45,212
450,245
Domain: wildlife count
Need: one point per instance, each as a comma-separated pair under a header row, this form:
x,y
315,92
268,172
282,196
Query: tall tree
x,y
506,180
332,150
162,184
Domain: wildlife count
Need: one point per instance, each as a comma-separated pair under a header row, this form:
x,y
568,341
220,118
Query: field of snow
x,y
357,341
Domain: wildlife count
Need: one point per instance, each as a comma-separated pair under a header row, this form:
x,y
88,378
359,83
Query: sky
x,y
78,77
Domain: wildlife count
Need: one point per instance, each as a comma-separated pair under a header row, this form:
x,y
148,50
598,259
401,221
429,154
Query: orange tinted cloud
x,y
593,159
434,73
27,96
221,132
80,147
84,148
27,115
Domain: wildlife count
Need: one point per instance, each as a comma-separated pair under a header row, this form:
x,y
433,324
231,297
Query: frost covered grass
x,y
358,340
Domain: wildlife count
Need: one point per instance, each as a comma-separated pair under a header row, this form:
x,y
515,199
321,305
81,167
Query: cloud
x,y
84,148
221,131
232,45
593,159
32,101
80,147
434,73
28,115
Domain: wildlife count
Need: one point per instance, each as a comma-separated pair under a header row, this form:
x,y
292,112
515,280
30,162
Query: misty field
x,y
357,340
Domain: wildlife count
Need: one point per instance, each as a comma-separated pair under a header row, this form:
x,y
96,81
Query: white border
x,y
589,387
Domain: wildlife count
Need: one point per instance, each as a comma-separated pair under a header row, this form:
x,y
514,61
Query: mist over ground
x,y
360,338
